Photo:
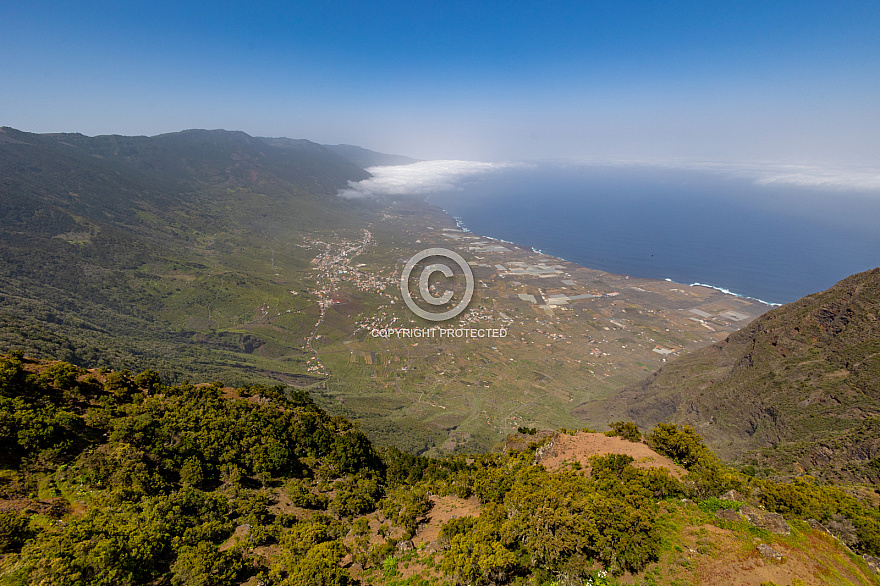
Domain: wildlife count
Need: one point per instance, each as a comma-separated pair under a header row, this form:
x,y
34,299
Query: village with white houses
x,y
583,330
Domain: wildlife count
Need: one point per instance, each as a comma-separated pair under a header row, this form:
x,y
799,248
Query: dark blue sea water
x,y
770,242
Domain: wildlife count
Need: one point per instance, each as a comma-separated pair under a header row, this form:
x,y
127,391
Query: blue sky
x,y
780,82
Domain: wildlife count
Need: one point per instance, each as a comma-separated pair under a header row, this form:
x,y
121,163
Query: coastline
x,y
729,292
459,222
575,337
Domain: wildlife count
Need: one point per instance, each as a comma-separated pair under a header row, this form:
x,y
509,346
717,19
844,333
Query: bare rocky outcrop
x,y
817,526
773,522
547,450
733,495
728,515
873,563
770,553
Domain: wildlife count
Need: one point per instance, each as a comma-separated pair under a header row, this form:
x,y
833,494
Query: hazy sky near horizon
x,y
781,82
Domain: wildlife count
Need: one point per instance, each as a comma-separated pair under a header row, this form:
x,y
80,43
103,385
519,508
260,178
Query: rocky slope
x,y
797,390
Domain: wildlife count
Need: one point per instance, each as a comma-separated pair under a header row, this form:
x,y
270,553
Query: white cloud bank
x,y
858,179
421,178
843,178
429,177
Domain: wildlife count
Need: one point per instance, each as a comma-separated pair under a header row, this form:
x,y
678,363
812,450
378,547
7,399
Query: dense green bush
x,y
35,417
405,506
682,444
355,496
707,475
480,554
300,495
205,565
804,498
319,567
14,531
311,553
625,429
129,544
167,473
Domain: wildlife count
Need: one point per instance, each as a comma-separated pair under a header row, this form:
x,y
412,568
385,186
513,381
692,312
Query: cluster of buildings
x,y
377,321
335,265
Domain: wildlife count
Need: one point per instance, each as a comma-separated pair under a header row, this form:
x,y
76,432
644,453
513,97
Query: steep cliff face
x,y
798,389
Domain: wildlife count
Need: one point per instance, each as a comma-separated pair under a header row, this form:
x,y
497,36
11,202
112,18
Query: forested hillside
x,y
367,158
115,478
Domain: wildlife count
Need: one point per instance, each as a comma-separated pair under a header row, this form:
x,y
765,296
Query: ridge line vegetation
x,y
121,479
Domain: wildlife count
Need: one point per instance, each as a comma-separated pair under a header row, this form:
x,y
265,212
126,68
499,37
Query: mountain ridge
x,y
367,158
798,389
130,238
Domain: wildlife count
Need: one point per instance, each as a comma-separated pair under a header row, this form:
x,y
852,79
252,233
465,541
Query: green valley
x,y
325,445
222,256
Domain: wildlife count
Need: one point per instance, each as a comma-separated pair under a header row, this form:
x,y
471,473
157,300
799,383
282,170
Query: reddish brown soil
x,y
582,446
819,562
445,508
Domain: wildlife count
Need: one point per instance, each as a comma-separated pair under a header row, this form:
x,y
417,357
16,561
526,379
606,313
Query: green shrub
x,y
804,498
319,567
483,553
405,506
62,375
205,565
148,379
682,444
625,429
301,496
14,531
713,504
355,496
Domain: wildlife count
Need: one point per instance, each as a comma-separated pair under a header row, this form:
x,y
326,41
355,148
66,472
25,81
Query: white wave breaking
x,y
729,292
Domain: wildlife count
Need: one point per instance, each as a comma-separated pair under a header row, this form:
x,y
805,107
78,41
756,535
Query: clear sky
x,y
767,81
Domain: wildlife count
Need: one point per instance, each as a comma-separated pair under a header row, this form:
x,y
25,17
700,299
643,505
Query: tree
x,y
625,429
682,444
355,496
205,565
406,505
148,379
317,565
479,555
191,473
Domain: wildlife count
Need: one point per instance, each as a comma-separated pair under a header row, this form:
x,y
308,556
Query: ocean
x,y
773,242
